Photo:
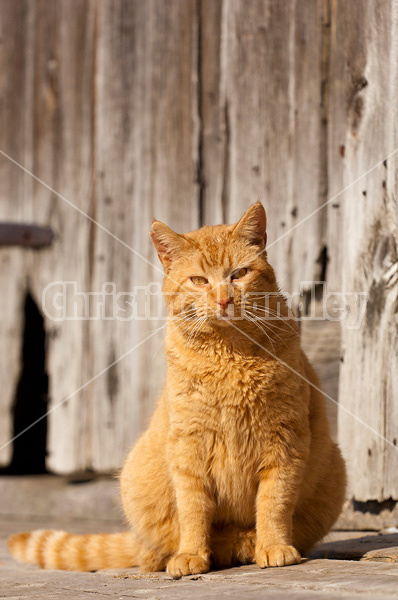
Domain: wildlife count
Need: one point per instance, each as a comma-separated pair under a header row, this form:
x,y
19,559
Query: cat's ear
x,y
167,242
253,225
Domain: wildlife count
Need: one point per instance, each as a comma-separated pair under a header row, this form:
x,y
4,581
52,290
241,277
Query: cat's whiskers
x,y
182,317
198,325
249,296
191,329
269,327
199,328
270,320
272,313
254,321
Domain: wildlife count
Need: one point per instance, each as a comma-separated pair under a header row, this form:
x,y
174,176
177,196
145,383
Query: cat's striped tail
x,y
60,550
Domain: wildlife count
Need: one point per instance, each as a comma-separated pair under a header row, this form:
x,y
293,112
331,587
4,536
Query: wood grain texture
x,y
12,22
262,124
189,111
46,110
102,106
363,132
146,153
62,60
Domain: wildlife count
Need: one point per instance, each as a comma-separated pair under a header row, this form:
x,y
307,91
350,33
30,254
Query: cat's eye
x,y
239,273
199,280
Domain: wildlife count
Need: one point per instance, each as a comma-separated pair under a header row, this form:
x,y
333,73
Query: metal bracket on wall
x,y
28,236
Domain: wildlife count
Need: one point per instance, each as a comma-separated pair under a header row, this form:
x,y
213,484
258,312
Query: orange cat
x,y
237,464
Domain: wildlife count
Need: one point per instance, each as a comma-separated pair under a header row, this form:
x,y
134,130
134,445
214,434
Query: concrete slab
x,y
367,546
318,579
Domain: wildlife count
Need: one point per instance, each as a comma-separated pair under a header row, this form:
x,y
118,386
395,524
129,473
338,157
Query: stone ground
x,y
349,565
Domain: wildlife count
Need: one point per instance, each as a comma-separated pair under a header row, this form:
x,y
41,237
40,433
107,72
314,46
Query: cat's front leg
x,y
195,508
276,498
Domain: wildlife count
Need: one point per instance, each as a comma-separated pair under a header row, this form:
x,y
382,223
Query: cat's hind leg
x,y
149,503
231,546
151,562
315,516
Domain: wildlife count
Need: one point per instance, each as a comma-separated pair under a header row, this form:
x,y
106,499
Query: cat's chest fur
x,y
226,404
233,463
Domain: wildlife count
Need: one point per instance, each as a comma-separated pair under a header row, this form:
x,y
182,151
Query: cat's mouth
x,y
224,316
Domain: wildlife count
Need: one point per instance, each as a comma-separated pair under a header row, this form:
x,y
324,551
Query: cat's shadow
x,y
383,547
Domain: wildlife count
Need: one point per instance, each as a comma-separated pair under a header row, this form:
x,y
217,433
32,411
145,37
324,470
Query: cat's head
x,y
211,273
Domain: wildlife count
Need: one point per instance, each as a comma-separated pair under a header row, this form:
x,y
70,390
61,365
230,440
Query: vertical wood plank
x,y
213,110
14,17
363,131
50,103
263,128
63,62
147,144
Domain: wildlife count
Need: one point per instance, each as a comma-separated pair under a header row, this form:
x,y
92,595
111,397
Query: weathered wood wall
x,y
101,104
262,118
189,111
363,124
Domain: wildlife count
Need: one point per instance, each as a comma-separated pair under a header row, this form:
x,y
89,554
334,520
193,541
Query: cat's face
x,y
215,273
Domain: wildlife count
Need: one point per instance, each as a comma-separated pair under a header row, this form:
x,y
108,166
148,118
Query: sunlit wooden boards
x,y
100,103
363,126
146,148
189,111
263,131
47,57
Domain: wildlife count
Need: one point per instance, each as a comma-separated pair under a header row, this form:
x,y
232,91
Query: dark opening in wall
x,y
323,260
373,506
29,449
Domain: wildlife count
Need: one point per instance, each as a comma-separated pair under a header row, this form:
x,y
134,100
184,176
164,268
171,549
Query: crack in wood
x,y
324,113
199,170
226,165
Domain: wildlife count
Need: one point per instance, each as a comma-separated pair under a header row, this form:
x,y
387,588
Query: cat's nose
x,y
223,302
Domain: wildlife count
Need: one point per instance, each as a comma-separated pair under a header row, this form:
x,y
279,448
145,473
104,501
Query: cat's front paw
x,y
187,564
278,555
